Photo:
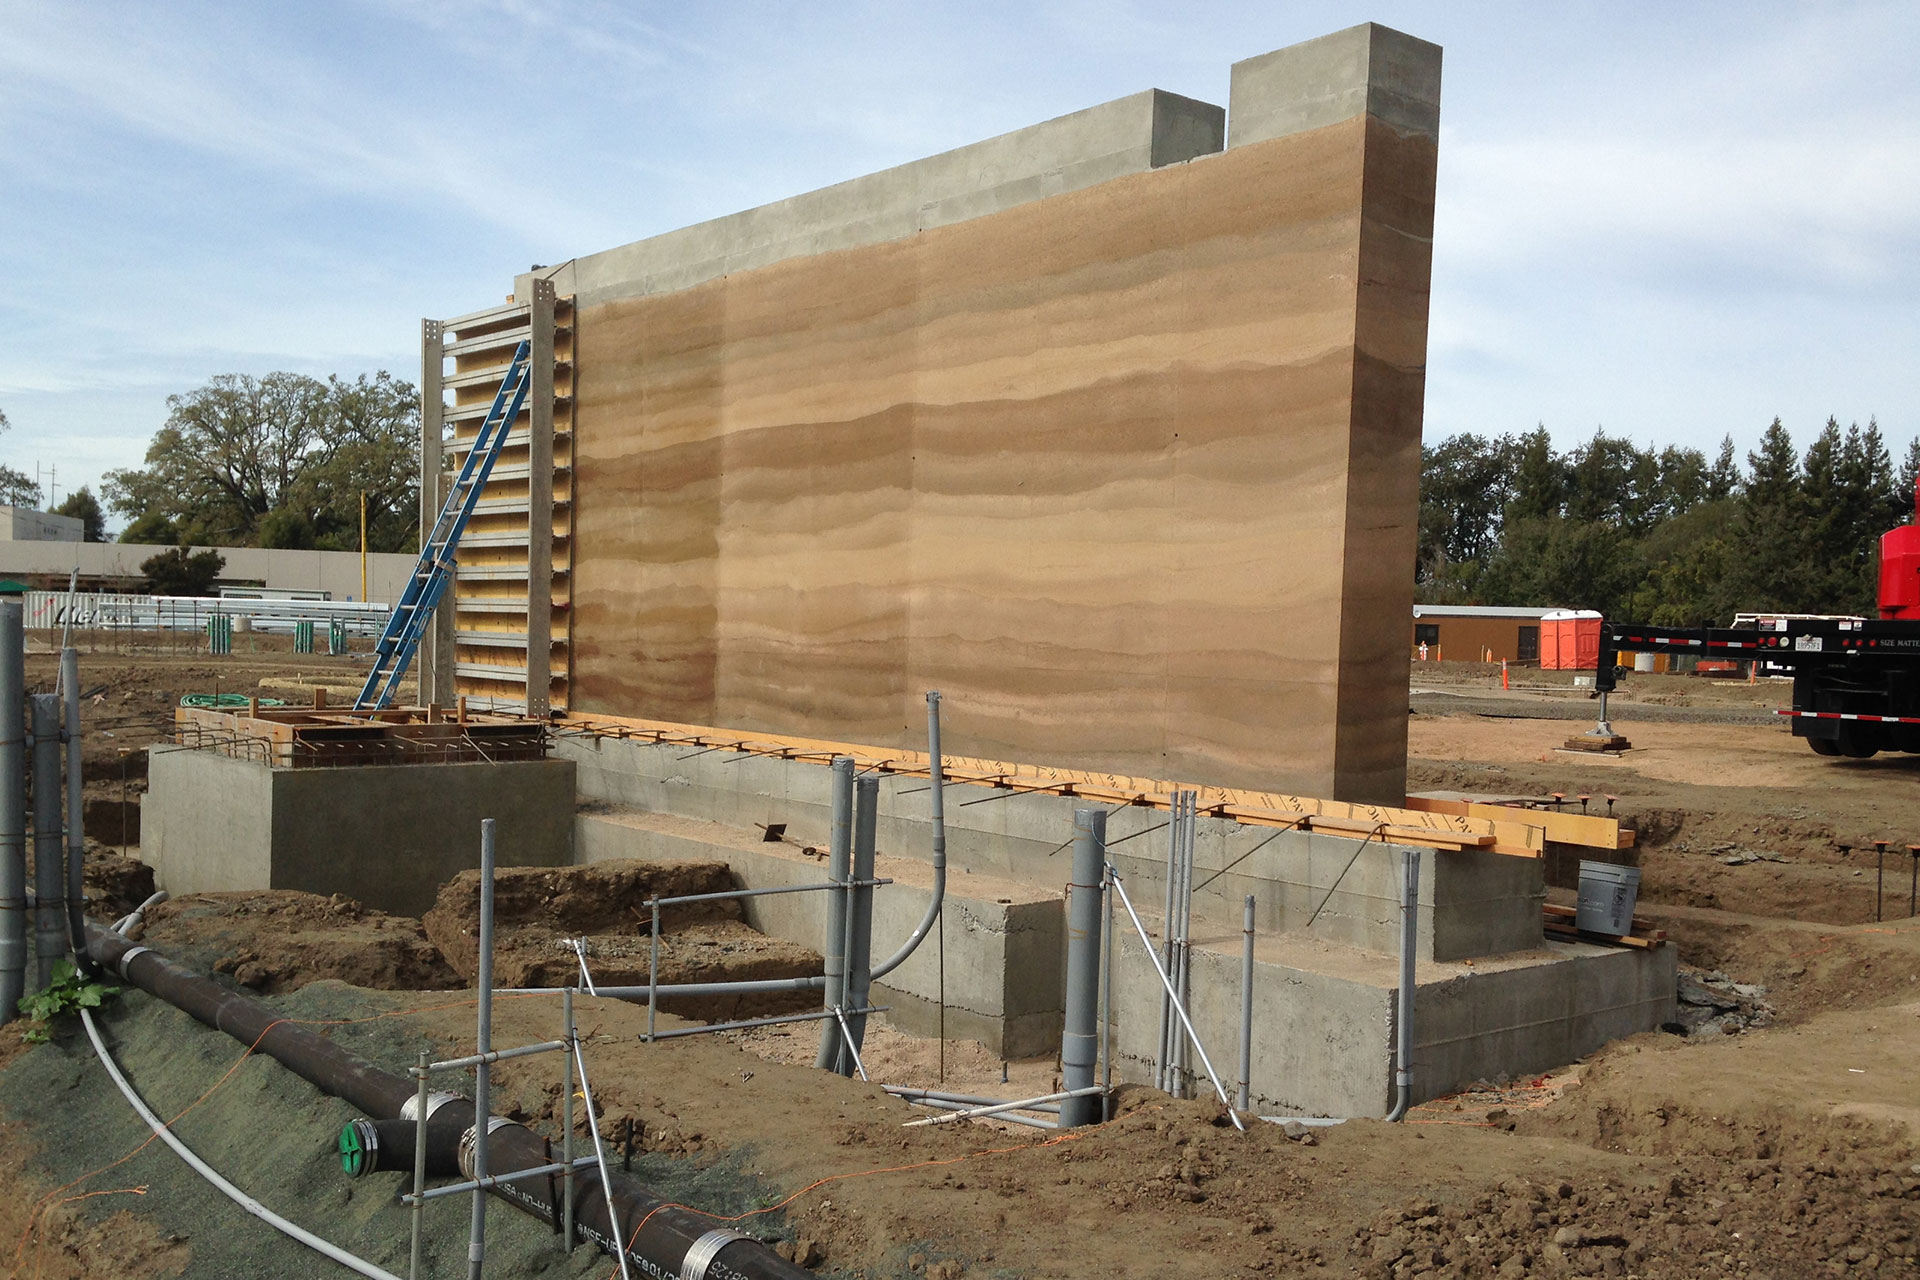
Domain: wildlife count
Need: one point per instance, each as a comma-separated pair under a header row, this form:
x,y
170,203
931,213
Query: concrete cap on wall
x,y
1369,68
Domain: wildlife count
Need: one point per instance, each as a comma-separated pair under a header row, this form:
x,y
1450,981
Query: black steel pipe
x,y
661,1246
386,1146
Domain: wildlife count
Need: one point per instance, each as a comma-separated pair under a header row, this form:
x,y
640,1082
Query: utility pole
x,y
363,546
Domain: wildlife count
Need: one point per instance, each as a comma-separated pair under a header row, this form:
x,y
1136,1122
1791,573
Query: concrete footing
x,y
387,835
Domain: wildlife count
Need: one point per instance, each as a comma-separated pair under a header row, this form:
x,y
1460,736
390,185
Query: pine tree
x,y
1724,480
1768,537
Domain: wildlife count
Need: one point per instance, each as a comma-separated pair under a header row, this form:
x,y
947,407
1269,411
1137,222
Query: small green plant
x,y
68,991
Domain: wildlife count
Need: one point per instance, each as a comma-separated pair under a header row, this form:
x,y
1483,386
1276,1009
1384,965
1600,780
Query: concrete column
x,y
540,501
435,659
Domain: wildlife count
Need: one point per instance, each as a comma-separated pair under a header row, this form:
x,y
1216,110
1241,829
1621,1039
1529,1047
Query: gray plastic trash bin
x,y
1607,895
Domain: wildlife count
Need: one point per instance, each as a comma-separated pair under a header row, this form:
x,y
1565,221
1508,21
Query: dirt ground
x,y
1787,1151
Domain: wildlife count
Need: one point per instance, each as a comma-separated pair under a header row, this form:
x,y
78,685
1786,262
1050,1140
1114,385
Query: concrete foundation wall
x,y
1004,942
1324,1018
388,836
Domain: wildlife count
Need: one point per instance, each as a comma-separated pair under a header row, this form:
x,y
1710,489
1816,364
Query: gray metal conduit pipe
x,y
76,830
49,859
1079,1045
834,949
1409,934
13,810
768,986
936,774
670,1238
866,815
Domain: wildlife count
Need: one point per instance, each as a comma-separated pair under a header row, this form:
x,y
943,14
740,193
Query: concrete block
x,y
388,836
1367,69
1003,942
1323,1026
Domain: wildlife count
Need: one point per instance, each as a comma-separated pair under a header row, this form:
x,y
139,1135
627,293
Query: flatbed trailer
x,y
1856,682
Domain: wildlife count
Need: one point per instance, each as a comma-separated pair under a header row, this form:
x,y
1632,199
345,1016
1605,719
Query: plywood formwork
x,y
1119,448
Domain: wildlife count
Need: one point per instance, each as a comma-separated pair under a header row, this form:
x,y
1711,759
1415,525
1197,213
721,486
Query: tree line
x,y
278,461
1666,535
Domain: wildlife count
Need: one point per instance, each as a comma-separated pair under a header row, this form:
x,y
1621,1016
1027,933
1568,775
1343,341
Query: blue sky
x,y
1671,221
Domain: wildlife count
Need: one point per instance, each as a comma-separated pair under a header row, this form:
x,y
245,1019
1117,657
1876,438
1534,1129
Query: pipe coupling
x,y
701,1253
494,1123
126,959
435,1101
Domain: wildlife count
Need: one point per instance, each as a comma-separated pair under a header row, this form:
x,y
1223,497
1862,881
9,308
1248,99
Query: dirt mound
x,y
115,884
1762,1219
536,909
280,940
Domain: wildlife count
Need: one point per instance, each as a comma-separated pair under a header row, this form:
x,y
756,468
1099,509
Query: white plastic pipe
x,y
231,1192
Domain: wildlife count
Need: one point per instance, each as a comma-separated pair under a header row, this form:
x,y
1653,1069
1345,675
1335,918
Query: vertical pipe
x,y
76,830
13,810
1163,1057
1409,934
866,813
1246,1008
49,872
483,1037
937,782
834,950
566,1116
1078,1042
1178,1075
419,1161
1107,948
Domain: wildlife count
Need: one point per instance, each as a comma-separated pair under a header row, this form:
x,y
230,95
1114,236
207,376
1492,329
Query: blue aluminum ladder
x,y
433,572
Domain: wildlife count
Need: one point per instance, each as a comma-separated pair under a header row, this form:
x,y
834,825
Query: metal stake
x,y
419,1161
566,1116
482,1114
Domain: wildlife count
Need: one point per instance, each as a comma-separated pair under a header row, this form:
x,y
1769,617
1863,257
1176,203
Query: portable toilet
x,y
1570,640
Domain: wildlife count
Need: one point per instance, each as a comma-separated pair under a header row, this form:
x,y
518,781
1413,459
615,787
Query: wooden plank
x,y
1570,934
1508,835
1588,830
